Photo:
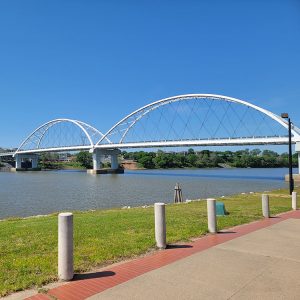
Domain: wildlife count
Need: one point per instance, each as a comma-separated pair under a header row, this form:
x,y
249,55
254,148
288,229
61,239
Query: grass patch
x,y
28,247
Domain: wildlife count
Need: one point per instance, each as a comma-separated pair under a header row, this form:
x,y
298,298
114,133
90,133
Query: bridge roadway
x,y
112,149
155,144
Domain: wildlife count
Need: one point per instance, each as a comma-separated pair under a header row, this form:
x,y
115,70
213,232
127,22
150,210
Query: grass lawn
x,y
28,247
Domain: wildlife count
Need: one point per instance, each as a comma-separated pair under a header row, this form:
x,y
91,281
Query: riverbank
x,y
29,246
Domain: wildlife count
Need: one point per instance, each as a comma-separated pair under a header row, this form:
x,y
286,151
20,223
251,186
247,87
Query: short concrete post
x,y
265,205
294,200
65,246
211,215
160,225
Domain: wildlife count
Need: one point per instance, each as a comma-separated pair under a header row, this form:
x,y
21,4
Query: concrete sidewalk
x,y
261,265
260,260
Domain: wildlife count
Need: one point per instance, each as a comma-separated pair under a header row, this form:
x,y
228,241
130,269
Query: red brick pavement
x,y
98,282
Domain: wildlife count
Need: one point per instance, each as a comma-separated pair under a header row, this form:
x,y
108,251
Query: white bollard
x,y
160,225
294,200
211,215
65,246
265,205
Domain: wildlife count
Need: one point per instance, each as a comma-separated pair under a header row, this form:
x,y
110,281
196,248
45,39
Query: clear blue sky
x,y
96,61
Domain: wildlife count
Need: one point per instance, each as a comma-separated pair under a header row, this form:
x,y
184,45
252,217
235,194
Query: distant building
x,y
129,164
65,157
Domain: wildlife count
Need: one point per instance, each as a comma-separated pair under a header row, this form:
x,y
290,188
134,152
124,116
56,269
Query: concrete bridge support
x,y
114,160
296,176
98,156
297,149
97,164
34,158
34,162
18,158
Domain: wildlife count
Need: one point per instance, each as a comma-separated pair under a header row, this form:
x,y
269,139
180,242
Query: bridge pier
x,y
98,155
114,160
297,149
296,176
34,162
97,163
19,159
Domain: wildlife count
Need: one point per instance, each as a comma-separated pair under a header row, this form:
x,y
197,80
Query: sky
x,y
97,61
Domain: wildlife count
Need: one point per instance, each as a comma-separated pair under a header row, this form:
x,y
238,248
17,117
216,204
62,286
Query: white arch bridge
x,y
179,121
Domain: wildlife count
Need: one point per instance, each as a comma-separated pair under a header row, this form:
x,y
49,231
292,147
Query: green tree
x,y
85,159
191,151
147,161
269,153
255,152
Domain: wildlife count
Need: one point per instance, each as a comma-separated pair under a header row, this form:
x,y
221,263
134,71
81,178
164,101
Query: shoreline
x,y
186,201
6,169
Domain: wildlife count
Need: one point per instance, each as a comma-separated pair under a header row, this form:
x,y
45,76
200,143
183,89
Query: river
x,y
32,193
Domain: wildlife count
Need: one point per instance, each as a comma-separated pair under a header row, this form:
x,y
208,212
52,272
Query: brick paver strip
x,y
40,297
82,289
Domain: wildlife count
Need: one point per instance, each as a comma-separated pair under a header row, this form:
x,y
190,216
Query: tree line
x,y
189,159
211,159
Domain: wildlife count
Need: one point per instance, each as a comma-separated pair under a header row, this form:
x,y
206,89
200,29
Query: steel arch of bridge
x,y
38,134
103,141
140,113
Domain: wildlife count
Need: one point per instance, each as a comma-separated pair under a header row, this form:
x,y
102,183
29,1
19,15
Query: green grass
x,y
28,247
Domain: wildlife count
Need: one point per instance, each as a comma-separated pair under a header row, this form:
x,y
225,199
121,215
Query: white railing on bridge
x,y
3,154
161,144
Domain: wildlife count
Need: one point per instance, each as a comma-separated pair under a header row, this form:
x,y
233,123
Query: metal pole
x,y
291,180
